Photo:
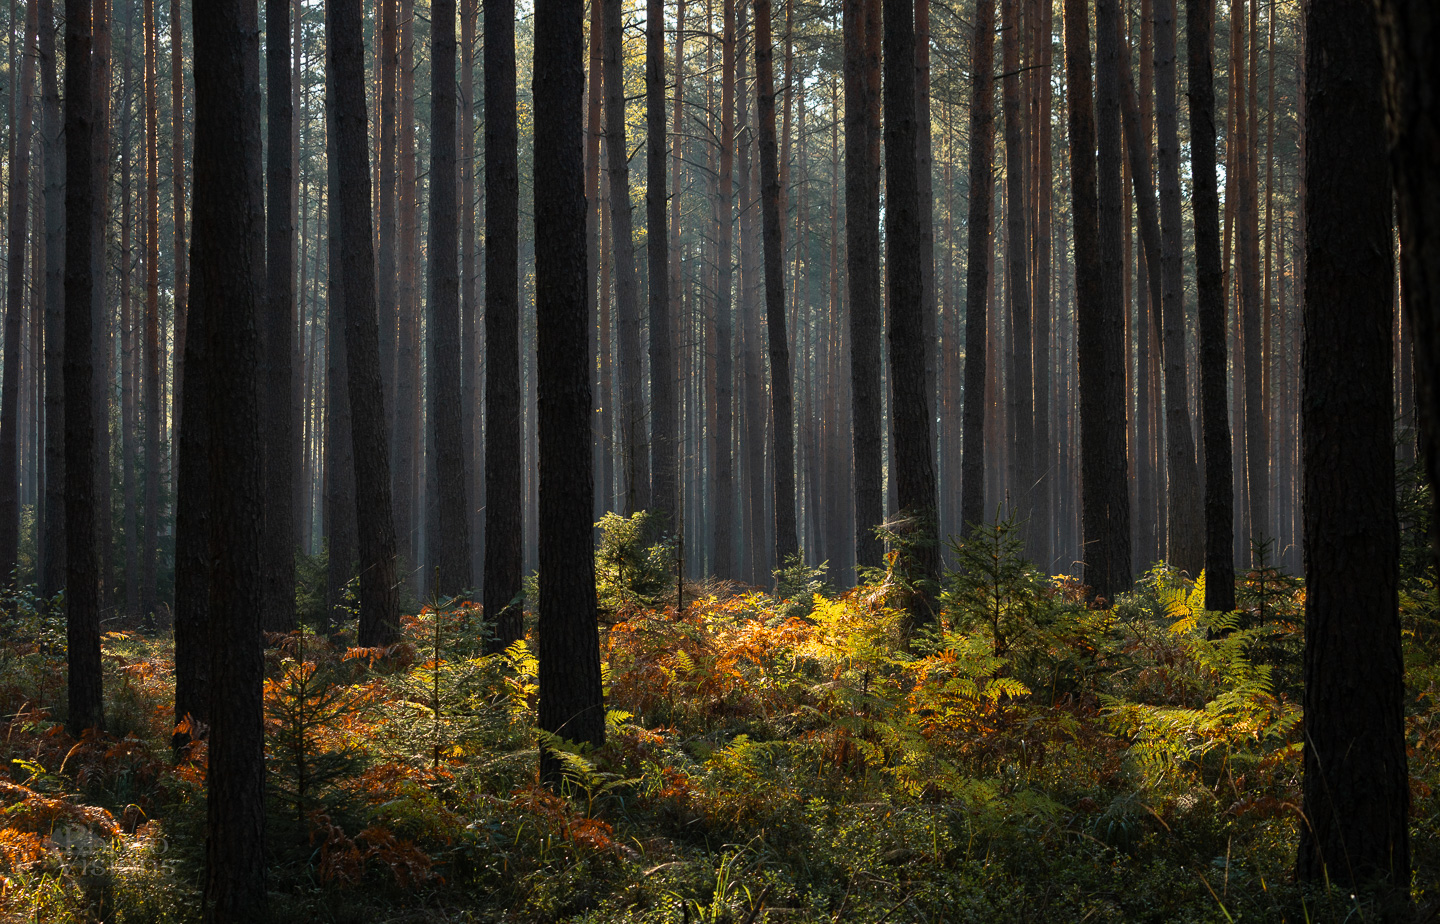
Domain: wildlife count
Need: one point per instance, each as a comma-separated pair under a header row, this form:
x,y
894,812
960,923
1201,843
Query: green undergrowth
x,y
790,757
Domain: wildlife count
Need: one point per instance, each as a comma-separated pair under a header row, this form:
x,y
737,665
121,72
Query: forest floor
x,y
794,756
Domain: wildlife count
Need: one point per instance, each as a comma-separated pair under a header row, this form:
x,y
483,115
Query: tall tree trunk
x,y
782,412
1042,538
1215,421
469,301
153,384
1020,374
52,558
503,537
407,474
453,556
977,265
724,500
1186,548
663,399
340,504
571,703
1410,32
634,455
177,196
82,556
1356,784
102,381
910,411
14,310
1248,272
862,249
229,280
192,514
379,616
279,323
387,117
129,457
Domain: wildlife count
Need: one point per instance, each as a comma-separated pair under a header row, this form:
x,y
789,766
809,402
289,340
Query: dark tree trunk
x,y
862,249
15,309
453,528
977,267
1186,547
910,414
339,446
1356,784
782,414
52,557
177,178
1209,285
192,524
276,331
1099,430
379,616
82,556
1019,373
571,704
664,425
1410,32
503,541
229,269
724,501
1107,544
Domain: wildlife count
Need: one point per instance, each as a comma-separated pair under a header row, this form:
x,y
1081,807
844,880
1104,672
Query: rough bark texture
x,y
571,703
1018,371
503,450
977,267
229,279
862,249
1356,785
912,442
379,604
1215,420
664,407
782,413
82,557
453,527
1410,32
1186,546
277,329
339,446
1108,558
470,411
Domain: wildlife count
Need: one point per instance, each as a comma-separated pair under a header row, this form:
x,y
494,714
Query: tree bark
x,y
1410,32
277,372
1356,785
912,442
153,384
634,454
782,413
52,558
503,536
977,266
229,281
82,556
663,383
379,606
724,502
571,703
1019,372
862,248
1186,547
1209,279
453,556
15,309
